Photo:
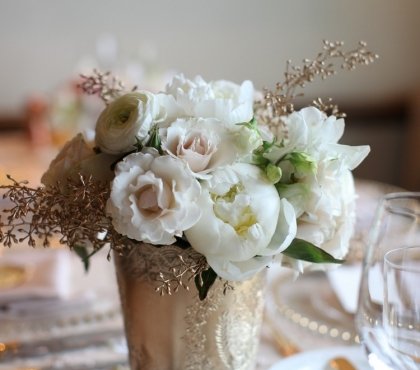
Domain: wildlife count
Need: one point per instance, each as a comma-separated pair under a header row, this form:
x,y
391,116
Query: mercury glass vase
x,y
178,331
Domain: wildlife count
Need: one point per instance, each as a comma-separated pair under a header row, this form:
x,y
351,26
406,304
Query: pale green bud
x,y
273,173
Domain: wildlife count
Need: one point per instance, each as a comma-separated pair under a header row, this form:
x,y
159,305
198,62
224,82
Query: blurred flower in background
x,y
56,117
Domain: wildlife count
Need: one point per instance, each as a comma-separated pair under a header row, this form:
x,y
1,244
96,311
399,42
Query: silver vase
x,y
180,332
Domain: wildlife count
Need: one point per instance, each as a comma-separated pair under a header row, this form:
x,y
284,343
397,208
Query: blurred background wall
x,y
45,44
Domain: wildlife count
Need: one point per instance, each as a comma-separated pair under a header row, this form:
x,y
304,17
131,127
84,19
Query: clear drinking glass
x,y
401,315
396,226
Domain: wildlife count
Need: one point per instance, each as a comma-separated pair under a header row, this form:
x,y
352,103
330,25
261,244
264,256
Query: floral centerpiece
x,y
233,179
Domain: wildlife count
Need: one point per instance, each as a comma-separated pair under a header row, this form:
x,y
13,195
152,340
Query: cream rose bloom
x,y
204,144
153,198
323,197
125,121
243,222
78,158
223,100
73,152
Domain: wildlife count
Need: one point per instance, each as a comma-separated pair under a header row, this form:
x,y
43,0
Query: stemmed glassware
x,y
388,317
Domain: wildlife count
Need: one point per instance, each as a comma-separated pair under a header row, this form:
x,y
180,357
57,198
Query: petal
x,y
237,271
285,231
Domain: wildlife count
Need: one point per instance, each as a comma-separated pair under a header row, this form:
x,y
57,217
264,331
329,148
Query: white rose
x,y
73,152
153,198
204,144
223,100
323,196
124,121
243,222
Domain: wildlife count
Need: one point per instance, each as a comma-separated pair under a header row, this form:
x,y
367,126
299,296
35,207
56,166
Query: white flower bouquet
x,y
241,178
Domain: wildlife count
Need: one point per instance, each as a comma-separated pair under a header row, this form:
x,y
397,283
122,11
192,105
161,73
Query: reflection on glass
x,y
396,225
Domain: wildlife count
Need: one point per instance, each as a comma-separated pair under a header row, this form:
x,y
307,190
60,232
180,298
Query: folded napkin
x,y
345,282
34,274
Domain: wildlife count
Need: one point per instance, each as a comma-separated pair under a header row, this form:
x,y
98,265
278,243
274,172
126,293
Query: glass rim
x,y
386,203
401,194
398,266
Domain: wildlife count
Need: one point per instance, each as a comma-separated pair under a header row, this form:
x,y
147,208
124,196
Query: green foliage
x,y
204,281
154,140
82,252
303,250
301,161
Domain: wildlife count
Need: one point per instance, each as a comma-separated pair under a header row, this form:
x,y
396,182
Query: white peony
x,y
243,222
205,144
153,198
223,100
125,121
320,186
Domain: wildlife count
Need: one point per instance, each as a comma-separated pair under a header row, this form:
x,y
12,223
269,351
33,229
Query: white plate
x,y
318,359
311,298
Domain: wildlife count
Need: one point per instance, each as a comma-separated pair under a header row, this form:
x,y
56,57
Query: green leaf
x,y
154,140
182,243
303,250
204,281
82,252
302,162
252,124
138,144
259,160
267,145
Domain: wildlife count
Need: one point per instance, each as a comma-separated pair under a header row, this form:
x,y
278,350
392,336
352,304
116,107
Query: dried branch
x,y
328,107
103,84
37,215
181,274
77,216
280,101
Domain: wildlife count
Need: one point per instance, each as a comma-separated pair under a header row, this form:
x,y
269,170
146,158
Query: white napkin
x,y
46,275
345,281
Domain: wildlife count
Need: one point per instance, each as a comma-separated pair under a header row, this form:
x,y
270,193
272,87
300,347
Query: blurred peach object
x,y
12,276
37,120
65,111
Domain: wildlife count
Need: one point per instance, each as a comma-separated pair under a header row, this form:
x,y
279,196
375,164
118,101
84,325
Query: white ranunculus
x,y
323,196
153,198
205,144
223,100
125,121
73,152
243,222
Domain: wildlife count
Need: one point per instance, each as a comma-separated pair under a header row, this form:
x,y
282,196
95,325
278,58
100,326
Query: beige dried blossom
x,y
103,84
280,101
